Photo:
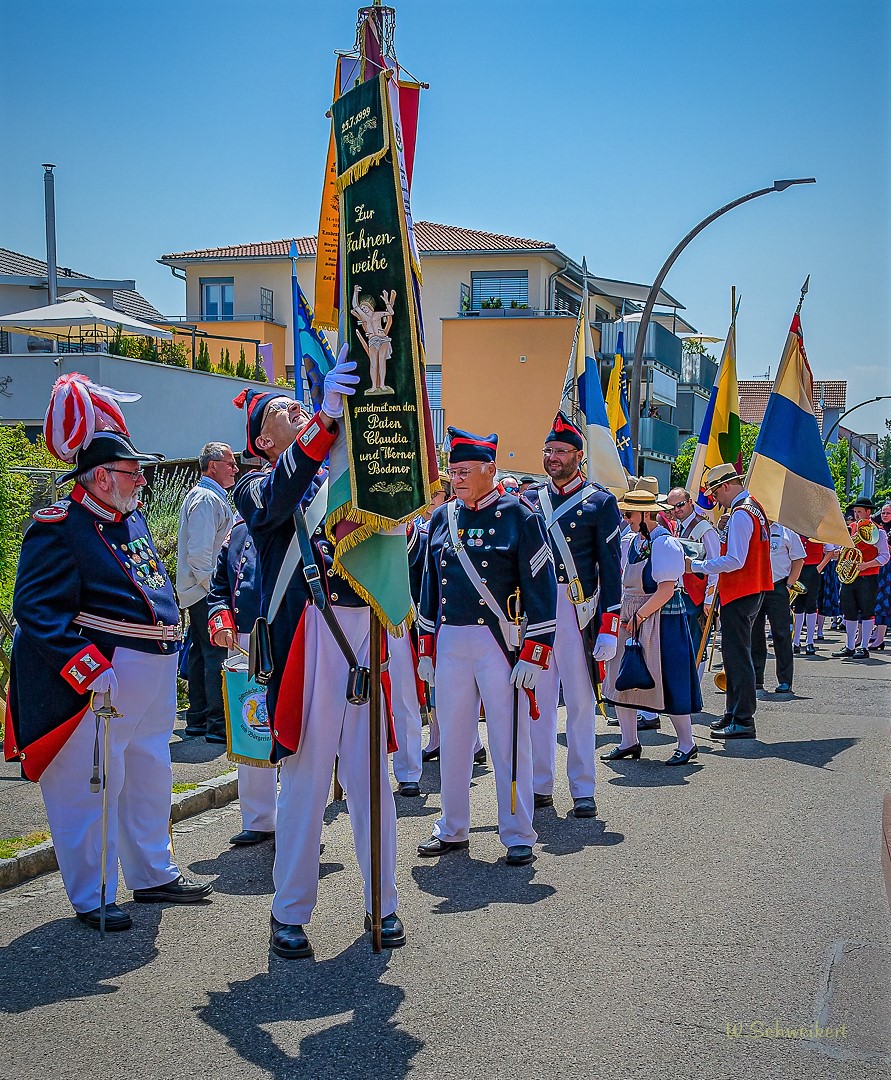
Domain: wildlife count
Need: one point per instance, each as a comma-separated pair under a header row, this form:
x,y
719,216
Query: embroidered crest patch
x,y
56,512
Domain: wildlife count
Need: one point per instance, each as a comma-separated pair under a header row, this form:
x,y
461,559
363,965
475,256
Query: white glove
x,y
105,683
426,669
339,382
525,675
605,647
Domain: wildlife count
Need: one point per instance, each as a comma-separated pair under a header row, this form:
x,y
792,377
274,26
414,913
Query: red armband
x,y
609,623
316,440
221,619
427,645
535,653
83,668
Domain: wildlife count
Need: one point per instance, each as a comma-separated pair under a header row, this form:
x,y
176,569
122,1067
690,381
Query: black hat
x,y
864,501
465,446
254,403
565,431
105,447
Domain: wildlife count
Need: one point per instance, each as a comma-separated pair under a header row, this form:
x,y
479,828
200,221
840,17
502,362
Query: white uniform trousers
x,y
257,787
470,665
332,728
139,784
568,667
407,764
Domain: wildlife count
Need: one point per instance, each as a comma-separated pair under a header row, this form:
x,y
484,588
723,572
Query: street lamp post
x,y
637,364
871,401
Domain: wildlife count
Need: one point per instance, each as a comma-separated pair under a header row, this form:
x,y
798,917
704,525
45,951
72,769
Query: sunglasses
x,y
678,505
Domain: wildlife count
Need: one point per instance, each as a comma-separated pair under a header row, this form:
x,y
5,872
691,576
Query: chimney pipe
x,y
49,196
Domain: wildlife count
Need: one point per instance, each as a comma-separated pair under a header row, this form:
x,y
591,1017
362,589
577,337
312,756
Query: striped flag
x,y
719,437
789,474
617,406
312,353
582,401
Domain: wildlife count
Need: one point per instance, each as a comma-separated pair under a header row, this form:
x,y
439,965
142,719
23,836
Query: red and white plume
x,y
79,408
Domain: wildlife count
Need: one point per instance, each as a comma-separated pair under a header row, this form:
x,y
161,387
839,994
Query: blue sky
x,y
608,128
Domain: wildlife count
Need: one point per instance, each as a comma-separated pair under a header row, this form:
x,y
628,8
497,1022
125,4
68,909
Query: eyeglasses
x,y
462,474
628,513
547,451
678,505
134,476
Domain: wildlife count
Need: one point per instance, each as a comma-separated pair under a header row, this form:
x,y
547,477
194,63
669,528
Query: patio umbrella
x,y
78,315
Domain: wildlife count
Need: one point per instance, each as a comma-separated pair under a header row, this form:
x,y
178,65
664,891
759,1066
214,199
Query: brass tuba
x,y
850,558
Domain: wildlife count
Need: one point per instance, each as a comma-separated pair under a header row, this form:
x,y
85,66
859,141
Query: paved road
x,y
746,892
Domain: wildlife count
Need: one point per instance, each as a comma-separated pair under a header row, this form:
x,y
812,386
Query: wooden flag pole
x,y
374,778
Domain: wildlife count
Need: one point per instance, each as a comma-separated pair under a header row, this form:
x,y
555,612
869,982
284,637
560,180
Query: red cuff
x,y
221,619
83,668
536,653
609,623
426,645
316,440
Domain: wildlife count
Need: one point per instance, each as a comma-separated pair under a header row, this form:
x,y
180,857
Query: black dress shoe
x,y
736,731
480,757
721,722
115,919
796,649
647,723
195,731
541,801
585,807
809,650
434,846
288,940
430,755
680,758
844,654
783,688
392,930
250,836
861,653
519,855
618,753
408,789
214,738
178,891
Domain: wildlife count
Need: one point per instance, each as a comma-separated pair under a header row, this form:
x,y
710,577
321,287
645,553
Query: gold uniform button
x,y
334,598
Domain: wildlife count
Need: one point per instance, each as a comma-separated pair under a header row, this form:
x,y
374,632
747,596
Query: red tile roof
x,y
432,238
753,395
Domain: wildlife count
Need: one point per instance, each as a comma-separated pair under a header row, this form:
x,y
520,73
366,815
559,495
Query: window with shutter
x,y
503,285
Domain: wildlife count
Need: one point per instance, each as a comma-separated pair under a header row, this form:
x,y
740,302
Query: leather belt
x,y
128,629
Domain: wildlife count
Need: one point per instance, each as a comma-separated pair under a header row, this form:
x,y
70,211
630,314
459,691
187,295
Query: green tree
x,y
883,467
837,456
202,357
18,493
242,370
680,468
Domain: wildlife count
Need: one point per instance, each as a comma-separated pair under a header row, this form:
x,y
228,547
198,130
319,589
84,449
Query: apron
x,y
633,599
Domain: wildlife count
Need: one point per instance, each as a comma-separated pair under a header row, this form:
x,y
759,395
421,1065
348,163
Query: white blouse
x,y
667,555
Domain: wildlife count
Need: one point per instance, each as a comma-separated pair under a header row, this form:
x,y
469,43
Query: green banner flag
x,y
384,420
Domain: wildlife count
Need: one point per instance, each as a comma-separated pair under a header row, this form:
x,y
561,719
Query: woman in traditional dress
x,y
653,606
883,600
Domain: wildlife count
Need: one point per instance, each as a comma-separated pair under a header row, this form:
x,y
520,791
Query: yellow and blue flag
x,y
582,401
720,438
789,474
617,406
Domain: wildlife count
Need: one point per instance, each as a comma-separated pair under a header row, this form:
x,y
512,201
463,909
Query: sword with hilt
x,y
105,712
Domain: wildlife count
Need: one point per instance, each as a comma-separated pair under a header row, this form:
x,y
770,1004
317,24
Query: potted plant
x,y
492,306
519,309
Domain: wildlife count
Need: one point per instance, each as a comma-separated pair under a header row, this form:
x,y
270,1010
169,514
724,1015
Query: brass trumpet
x,y
796,589
848,566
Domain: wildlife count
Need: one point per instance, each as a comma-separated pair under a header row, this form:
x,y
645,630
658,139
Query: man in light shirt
x,y
698,592
205,520
786,560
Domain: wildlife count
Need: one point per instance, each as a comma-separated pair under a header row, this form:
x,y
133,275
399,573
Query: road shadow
x,y
570,835
817,753
193,750
329,1020
63,960
416,807
468,884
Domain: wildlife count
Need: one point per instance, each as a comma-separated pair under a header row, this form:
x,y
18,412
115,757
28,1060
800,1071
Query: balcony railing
x,y
660,345
657,437
249,317
698,370
509,312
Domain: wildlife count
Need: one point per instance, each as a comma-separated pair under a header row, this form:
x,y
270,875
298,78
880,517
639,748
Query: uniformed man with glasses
x,y
489,576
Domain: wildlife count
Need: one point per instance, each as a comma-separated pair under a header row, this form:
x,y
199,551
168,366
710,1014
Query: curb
x,y
886,845
41,859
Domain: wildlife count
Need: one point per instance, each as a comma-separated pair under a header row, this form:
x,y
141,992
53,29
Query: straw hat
x,y
720,474
643,500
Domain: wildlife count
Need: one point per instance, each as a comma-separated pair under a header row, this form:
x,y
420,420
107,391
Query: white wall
x,y
180,410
